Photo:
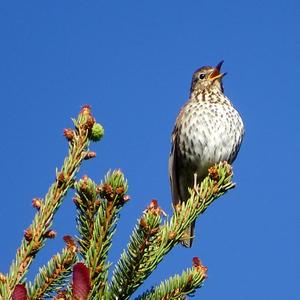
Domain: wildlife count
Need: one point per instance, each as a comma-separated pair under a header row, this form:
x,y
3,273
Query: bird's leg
x,y
196,187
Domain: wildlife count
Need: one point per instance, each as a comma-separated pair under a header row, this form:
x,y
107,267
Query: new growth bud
x,y
50,234
37,203
28,234
97,132
86,109
69,134
198,266
89,155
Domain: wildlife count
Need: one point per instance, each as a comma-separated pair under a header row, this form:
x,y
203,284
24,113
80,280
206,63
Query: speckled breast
x,y
208,133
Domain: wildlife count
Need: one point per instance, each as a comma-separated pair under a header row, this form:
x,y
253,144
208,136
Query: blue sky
x,y
132,62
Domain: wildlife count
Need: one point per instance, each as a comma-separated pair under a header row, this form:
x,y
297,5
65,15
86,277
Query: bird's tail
x,y
188,236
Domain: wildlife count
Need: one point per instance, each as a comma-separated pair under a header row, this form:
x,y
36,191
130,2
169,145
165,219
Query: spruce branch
x,y
113,197
55,275
143,255
98,209
87,205
131,270
35,235
178,286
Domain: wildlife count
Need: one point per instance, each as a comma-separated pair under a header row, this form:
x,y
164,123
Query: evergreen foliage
x,y
99,207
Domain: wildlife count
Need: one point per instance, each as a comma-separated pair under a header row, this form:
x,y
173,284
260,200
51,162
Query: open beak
x,y
215,74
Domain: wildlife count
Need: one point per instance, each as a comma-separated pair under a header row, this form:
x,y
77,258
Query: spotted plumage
x,y
208,130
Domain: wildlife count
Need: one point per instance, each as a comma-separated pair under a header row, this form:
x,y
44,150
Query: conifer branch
x,y
178,286
55,275
131,269
98,210
36,234
97,213
113,197
87,205
137,263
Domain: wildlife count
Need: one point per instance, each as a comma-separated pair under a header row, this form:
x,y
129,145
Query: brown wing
x,y
187,239
173,169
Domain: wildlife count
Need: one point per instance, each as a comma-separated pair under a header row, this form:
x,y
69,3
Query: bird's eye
x,y
202,75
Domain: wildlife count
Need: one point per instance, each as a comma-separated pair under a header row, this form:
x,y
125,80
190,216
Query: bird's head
x,y
207,79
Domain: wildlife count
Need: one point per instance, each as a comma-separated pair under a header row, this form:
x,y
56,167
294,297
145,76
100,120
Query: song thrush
x,y
208,130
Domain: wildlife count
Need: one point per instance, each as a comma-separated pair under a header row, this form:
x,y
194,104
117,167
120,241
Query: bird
x,y
208,130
